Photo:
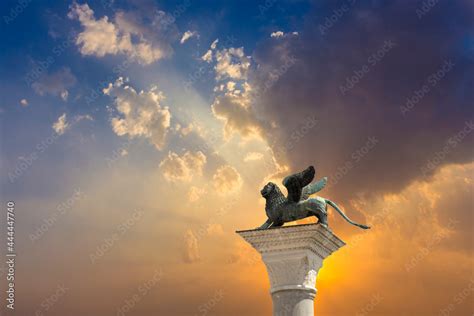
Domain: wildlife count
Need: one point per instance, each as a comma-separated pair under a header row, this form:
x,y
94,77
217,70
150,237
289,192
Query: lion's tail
x,y
334,205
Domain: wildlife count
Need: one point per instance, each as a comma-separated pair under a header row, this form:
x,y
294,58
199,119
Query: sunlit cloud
x,y
141,113
195,193
279,34
208,56
191,247
227,180
61,125
253,156
183,168
232,63
188,35
126,34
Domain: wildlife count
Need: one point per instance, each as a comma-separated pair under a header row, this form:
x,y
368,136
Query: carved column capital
x,y
293,256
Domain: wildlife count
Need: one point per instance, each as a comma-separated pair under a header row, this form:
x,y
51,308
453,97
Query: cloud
x,y
56,83
374,89
252,156
415,235
192,127
141,114
231,86
227,180
214,229
233,101
187,35
100,37
207,57
64,95
191,247
79,118
232,63
214,44
24,102
195,193
277,34
451,188
234,109
141,38
61,125
183,168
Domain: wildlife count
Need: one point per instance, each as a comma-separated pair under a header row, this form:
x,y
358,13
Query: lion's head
x,y
267,189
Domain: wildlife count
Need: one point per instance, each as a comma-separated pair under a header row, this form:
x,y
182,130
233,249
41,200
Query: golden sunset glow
x,y
137,136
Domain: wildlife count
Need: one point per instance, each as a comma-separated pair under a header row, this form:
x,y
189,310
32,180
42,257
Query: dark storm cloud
x,y
390,85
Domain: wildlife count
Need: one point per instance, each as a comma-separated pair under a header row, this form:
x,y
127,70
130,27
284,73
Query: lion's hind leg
x,y
315,209
322,219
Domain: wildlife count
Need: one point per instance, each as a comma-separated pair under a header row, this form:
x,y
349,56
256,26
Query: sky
x,y
136,136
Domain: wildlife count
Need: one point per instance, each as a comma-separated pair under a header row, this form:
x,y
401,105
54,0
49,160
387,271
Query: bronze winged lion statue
x,y
298,204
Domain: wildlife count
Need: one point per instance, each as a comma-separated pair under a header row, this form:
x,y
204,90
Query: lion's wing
x,y
294,183
313,188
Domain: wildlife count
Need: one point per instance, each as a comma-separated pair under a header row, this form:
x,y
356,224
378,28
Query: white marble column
x,y
293,256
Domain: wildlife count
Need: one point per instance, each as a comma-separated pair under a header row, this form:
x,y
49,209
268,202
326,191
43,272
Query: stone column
x,y
293,256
